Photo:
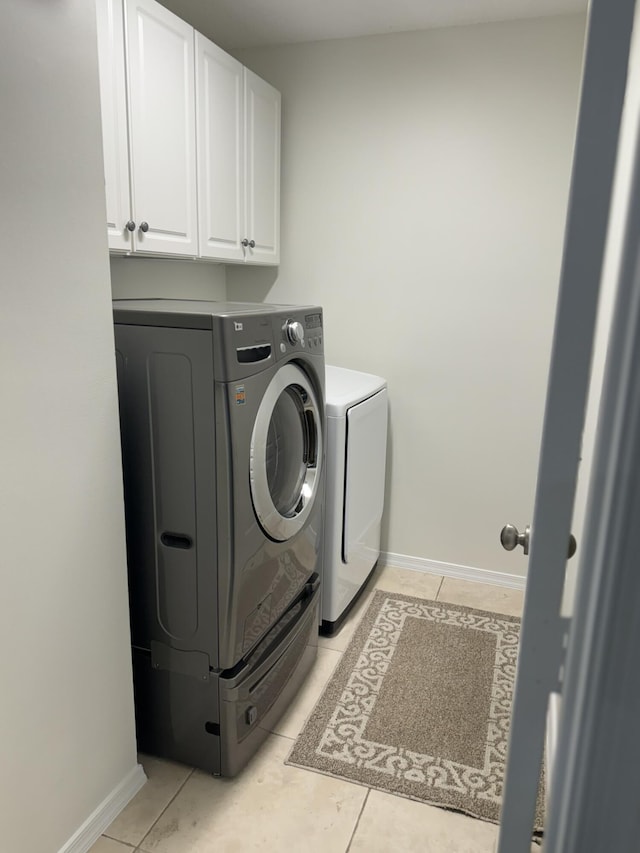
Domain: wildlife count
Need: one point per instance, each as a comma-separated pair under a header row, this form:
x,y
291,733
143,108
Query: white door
x,y
364,484
162,127
113,100
543,629
262,155
220,122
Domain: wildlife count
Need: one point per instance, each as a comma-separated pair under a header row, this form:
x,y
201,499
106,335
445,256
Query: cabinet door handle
x,y
245,242
131,225
252,243
144,226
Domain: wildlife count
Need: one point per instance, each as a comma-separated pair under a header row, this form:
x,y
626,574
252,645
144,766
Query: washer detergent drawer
x,y
252,700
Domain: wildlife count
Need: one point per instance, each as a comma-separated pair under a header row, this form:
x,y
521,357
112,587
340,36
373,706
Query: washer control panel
x,y
302,331
313,326
294,331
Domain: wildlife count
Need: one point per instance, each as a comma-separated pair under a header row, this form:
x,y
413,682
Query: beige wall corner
x,y
140,278
66,713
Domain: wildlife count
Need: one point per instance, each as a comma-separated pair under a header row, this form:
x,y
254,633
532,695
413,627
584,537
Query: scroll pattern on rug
x,y
344,738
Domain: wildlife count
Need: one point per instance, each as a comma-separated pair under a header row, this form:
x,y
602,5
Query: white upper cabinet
x,y
220,119
238,159
191,141
162,125
113,102
262,158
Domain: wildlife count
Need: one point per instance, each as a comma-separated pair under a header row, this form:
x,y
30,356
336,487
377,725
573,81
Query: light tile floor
x,y
273,807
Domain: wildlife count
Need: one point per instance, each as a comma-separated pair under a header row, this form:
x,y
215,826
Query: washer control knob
x,y
294,331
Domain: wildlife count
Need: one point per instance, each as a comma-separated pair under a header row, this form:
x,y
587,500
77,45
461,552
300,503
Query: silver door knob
x,y
245,242
131,225
252,243
144,226
510,538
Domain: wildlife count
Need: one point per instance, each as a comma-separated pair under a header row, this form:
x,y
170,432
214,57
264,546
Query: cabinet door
x,y
262,157
162,126
113,101
220,127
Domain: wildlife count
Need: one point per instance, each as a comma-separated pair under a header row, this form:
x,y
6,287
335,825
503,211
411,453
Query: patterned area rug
x,y
419,705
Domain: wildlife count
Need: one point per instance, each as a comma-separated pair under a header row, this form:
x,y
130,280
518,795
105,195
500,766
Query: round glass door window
x,y
286,453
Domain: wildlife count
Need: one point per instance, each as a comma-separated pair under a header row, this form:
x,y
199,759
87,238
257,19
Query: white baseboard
x,y
451,570
85,837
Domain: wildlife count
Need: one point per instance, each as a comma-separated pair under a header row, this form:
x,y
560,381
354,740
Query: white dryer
x,y
356,448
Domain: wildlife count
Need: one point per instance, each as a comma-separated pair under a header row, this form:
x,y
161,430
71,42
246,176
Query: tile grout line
x,y
277,734
330,648
141,842
355,828
119,841
439,588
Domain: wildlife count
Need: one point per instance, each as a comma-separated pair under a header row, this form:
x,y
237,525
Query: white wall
x,y
137,278
66,712
425,178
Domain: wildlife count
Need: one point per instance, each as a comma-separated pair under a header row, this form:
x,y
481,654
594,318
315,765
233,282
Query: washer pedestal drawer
x,y
216,722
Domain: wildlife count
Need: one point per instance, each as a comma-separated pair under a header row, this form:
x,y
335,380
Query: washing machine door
x,y
286,453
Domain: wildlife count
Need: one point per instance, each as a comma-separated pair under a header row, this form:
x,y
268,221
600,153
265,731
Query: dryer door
x,y
286,453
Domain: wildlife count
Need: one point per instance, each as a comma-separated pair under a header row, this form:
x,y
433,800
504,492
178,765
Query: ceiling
x,y
249,23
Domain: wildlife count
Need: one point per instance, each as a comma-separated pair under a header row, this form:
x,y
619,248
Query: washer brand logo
x,y
240,395
237,326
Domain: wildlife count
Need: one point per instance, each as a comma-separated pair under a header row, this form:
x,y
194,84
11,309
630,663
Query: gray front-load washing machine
x,y
222,425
